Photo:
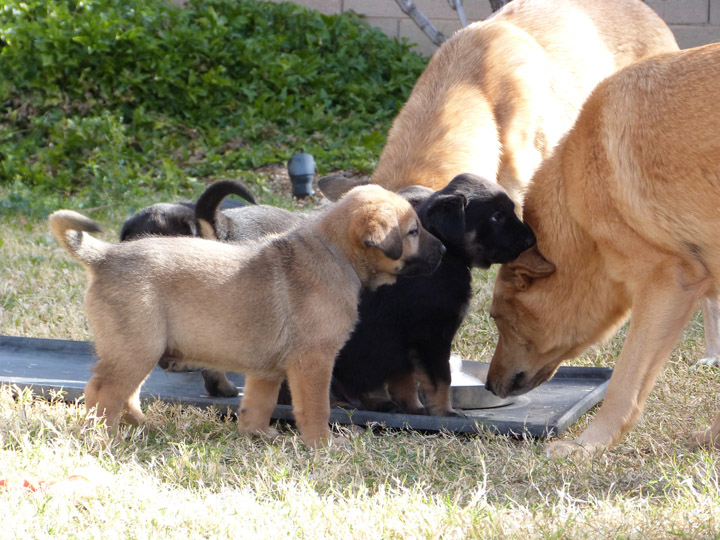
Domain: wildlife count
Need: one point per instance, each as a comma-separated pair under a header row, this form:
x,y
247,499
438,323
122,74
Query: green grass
x,y
112,99
195,477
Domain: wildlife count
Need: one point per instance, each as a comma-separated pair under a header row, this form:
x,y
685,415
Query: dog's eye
x,y
413,232
496,217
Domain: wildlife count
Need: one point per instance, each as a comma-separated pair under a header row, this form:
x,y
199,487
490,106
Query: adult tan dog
x,y
273,309
626,217
499,94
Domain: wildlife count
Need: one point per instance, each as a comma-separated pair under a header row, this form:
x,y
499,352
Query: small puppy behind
x,y
276,309
243,223
178,219
406,330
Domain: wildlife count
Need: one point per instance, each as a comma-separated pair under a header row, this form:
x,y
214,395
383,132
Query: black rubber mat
x,y
49,365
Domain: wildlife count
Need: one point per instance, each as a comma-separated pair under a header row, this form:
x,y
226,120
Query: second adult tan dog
x,y
274,309
627,217
499,94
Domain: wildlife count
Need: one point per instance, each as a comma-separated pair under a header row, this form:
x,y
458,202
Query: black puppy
x,y
178,219
406,330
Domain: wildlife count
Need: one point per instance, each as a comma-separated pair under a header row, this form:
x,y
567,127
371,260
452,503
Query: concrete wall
x,y
694,22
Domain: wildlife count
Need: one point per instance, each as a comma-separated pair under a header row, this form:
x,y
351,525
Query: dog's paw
x,y
710,361
339,442
565,449
217,384
328,441
704,438
263,433
455,413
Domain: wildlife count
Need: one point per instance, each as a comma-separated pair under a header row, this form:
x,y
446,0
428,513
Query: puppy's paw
x,y
339,442
450,413
175,363
325,441
217,384
565,449
263,433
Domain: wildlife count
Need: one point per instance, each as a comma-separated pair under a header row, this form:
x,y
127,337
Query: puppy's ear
x,y
415,195
445,218
387,238
184,226
529,265
335,186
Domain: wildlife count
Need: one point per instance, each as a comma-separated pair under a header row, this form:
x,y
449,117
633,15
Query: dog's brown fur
x,y
626,210
274,309
499,94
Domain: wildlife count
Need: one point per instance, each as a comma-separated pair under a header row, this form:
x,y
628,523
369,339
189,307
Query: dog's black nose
x,y
488,386
518,382
530,239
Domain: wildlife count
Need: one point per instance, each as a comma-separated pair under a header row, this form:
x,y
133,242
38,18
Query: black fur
x,y
178,219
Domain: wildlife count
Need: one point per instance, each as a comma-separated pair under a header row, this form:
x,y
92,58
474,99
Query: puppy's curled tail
x,y
207,205
69,228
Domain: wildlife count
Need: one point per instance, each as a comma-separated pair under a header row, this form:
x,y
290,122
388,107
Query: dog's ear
x,y
529,265
445,218
387,238
184,226
415,195
334,186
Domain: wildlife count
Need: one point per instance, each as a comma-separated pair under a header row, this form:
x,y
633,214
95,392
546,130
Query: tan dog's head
x,y
384,237
544,317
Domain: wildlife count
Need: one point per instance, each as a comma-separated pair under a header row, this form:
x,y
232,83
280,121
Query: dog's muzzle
x,y
425,264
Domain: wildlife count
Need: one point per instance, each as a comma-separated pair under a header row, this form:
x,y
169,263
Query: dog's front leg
x,y
711,320
257,405
403,391
309,375
661,309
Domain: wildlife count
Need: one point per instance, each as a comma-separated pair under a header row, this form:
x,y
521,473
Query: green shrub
x,y
106,98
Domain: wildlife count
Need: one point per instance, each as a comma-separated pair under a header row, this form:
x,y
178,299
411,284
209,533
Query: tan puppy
x,y
275,309
499,94
626,210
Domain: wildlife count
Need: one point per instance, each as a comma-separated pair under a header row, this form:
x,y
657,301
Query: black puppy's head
x,y
476,221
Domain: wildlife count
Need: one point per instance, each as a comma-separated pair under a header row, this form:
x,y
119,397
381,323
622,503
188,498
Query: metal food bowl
x,y
467,389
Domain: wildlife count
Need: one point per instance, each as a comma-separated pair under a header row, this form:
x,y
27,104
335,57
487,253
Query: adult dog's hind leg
x,y
711,320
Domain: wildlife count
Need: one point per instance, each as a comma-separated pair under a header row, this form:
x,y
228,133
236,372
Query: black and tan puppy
x,y
276,309
406,330
178,219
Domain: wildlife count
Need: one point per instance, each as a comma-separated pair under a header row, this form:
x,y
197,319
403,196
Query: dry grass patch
x,y
196,477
